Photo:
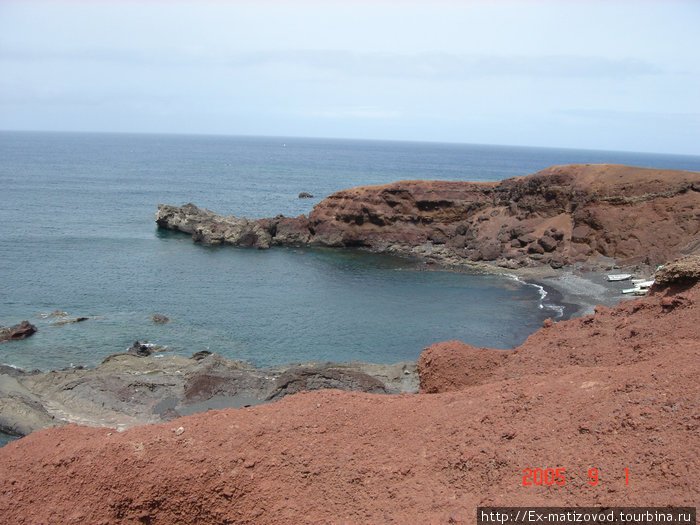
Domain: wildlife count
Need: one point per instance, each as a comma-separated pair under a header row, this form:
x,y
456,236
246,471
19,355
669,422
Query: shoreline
x,y
618,387
568,292
572,294
579,294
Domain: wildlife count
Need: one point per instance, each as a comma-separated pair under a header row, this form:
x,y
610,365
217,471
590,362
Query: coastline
x,y
567,292
576,292
580,293
617,383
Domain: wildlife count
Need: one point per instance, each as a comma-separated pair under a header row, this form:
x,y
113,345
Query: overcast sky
x,y
619,75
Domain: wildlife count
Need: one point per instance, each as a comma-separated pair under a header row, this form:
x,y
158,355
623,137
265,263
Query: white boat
x,y
619,276
640,287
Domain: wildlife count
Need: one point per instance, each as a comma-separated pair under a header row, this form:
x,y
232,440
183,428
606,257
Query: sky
x,y
594,74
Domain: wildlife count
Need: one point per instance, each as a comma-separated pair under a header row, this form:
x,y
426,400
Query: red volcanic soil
x,y
616,391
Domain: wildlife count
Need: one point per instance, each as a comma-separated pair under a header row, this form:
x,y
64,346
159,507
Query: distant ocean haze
x,y
78,236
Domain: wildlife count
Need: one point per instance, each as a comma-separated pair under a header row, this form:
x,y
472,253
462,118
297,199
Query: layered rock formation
x,y
616,391
556,217
134,389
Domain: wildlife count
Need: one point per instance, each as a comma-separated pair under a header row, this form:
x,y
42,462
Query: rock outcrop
x,y
136,388
616,391
684,272
18,331
559,216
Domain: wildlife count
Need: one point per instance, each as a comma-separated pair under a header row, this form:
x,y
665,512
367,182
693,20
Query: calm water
x,y
78,235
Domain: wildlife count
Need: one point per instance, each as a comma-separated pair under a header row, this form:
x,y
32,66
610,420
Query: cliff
x,y
557,217
611,391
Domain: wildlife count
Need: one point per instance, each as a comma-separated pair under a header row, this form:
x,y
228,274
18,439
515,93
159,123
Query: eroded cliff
x,y
556,217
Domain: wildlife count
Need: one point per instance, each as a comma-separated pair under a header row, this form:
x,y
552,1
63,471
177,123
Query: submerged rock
x,y
159,319
55,313
70,321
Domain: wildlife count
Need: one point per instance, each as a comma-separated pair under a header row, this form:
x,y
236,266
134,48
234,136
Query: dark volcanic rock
x,y
297,380
304,195
535,247
209,228
548,243
70,321
18,331
134,388
145,349
198,356
490,251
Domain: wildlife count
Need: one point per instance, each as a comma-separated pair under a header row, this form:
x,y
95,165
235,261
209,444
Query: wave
x,y
543,304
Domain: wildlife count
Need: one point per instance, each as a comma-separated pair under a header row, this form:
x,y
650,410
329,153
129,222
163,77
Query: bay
x,y
78,236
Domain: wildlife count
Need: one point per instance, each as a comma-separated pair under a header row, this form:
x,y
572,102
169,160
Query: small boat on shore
x,y
619,276
640,287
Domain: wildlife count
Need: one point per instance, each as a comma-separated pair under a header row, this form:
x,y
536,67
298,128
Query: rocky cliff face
x,y
559,216
612,391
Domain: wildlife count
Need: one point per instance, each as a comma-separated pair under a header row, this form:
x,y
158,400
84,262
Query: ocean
x,y
78,236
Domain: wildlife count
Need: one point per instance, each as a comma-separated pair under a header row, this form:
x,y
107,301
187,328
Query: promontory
x,y
556,217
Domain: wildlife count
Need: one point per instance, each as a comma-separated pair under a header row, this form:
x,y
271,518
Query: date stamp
x,y
558,476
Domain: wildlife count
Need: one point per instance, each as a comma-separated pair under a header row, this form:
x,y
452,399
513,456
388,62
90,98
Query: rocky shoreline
x,y
130,389
557,229
145,385
615,390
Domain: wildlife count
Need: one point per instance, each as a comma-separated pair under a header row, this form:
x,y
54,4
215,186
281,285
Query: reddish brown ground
x,y
613,391
558,216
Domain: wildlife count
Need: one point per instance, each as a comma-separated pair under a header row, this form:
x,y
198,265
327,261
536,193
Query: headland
x,y
597,215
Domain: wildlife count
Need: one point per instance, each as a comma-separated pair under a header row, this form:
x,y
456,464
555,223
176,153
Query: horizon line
x,y
336,138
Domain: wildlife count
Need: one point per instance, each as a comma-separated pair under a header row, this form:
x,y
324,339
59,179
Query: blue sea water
x,y
78,235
